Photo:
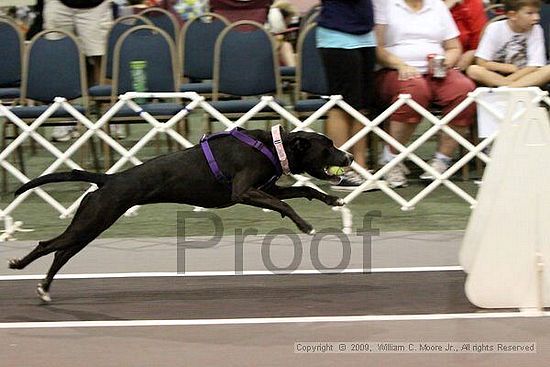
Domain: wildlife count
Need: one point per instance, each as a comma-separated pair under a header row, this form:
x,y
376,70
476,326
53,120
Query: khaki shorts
x,y
89,25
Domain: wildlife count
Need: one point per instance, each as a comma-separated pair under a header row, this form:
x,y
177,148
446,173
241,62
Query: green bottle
x,y
139,77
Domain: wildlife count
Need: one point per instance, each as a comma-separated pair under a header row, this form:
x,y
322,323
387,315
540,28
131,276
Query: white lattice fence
x,y
192,100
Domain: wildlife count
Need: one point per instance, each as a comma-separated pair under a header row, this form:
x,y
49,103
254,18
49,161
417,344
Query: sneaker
x,y
438,165
397,176
62,133
351,180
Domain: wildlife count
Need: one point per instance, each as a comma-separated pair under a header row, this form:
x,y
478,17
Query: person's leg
x,y
538,78
286,54
92,26
450,92
58,16
344,68
403,122
486,77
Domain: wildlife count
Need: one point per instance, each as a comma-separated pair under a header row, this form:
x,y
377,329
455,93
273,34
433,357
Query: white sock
x,y
444,158
387,155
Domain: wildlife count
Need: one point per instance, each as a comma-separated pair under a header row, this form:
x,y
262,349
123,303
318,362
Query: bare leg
x,y
287,55
401,132
448,145
539,78
340,126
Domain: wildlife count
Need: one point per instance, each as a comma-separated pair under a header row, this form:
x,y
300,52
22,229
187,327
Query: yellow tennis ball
x,y
336,171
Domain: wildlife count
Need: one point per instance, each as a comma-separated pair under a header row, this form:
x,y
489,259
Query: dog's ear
x,y
299,145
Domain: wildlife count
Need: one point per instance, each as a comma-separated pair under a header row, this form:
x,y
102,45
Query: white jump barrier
x,y
506,249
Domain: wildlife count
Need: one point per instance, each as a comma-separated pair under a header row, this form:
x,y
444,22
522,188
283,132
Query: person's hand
x,y
407,72
509,68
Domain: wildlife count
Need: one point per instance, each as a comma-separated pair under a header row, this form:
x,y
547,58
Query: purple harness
x,y
246,139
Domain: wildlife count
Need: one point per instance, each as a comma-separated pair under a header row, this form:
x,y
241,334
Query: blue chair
x,y
196,51
102,92
311,81
11,49
245,65
162,19
53,67
155,47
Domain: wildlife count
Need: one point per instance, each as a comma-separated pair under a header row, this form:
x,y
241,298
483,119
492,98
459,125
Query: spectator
x,y
404,43
280,15
470,18
90,20
512,50
347,45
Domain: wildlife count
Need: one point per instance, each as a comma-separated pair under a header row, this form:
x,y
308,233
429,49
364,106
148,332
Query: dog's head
x,y
314,153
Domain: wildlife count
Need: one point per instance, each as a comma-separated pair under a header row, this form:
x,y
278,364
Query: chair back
x,y
196,45
11,49
310,71
245,63
53,67
118,28
162,19
155,47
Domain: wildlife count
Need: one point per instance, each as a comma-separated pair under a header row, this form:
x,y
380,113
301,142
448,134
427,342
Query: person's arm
x,y
389,60
498,67
453,50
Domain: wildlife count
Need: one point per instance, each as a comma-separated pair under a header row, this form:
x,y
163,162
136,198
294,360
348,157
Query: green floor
x,y
441,210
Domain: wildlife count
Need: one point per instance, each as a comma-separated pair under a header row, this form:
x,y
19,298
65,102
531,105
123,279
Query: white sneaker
x,y
397,175
351,180
62,133
438,165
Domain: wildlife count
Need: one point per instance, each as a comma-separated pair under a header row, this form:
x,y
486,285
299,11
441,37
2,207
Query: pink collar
x,y
278,142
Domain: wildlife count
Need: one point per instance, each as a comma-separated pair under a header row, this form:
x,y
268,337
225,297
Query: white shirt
x,y
411,35
501,44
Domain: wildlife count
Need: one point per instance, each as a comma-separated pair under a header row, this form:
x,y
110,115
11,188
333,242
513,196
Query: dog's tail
x,y
75,175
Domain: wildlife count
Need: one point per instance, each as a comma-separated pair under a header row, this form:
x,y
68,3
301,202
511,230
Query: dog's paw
x,y
42,294
312,232
334,201
15,264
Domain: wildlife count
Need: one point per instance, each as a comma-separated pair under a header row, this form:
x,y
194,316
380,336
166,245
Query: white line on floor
x,y
275,320
227,273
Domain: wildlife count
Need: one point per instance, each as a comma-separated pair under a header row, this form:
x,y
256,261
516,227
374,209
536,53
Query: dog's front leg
x,y
307,192
258,198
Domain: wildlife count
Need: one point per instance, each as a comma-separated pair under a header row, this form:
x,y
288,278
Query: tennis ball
x,y
336,171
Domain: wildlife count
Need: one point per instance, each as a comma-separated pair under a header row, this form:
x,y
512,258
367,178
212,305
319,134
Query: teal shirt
x,y
329,38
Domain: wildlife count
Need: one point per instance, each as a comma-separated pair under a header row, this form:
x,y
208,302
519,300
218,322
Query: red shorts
x,y
446,93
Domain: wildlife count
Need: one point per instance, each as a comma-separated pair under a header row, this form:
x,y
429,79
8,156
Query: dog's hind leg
x,y
60,259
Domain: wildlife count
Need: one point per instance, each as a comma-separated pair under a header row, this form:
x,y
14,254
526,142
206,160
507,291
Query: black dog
x,y
186,177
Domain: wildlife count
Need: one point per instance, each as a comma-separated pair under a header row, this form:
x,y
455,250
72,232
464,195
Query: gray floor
x,y
269,344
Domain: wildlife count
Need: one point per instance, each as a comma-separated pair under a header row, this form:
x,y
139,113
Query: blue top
x,y
328,38
348,16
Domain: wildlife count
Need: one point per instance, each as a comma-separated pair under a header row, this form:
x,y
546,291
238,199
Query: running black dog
x,y
240,167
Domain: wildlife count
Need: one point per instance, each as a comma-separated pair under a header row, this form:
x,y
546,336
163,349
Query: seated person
x,y
280,15
470,18
404,44
512,49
